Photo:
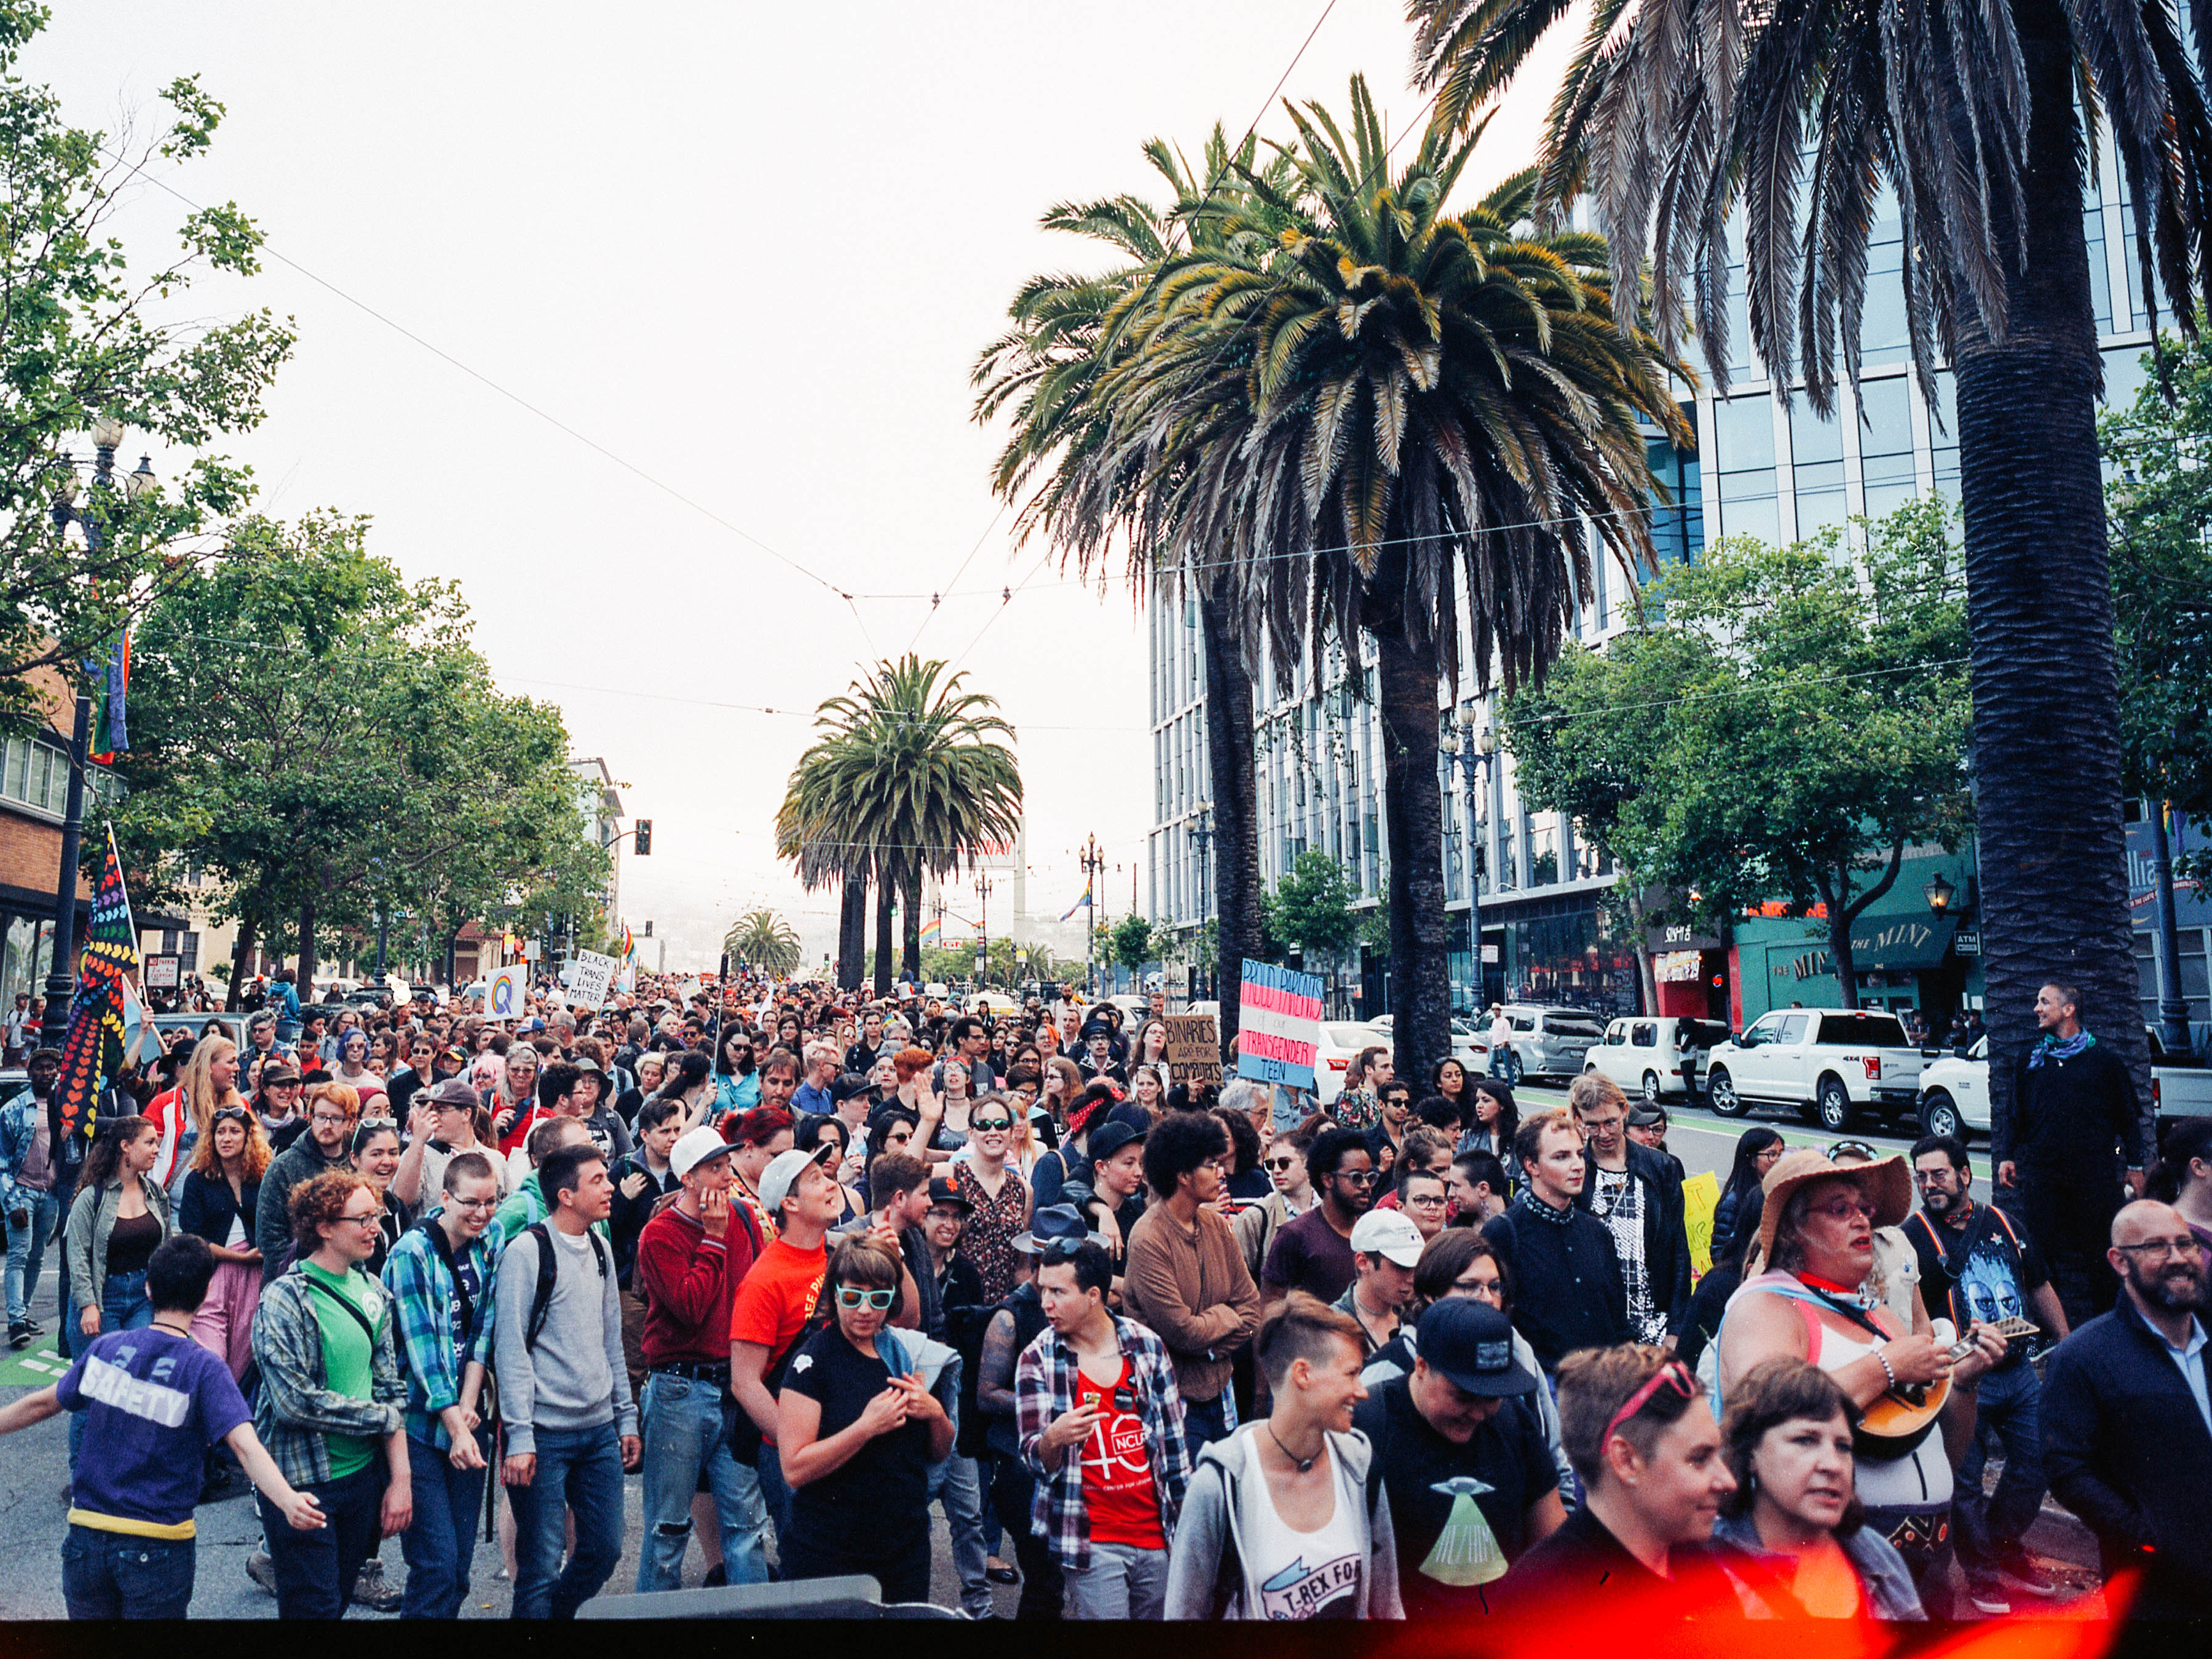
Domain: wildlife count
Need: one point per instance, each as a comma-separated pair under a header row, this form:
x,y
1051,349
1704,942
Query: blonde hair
x,y
196,1088
257,1152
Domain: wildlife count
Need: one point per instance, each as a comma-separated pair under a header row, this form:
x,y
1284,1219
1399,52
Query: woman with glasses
x,y
374,1154
1793,1534
857,1429
221,1191
353,1068
737,1074
511,1102
1150,1047
1735,1217
1817,1240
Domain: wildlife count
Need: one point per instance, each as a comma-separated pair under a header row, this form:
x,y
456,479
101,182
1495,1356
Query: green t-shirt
x,y
348,1356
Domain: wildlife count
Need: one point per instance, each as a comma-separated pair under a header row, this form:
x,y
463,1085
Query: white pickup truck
x,y
1954,1090
1828,1064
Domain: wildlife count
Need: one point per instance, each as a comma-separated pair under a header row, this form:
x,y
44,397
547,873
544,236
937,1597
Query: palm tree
x,y
1674,113
906,777
764,939
1046,371
1400,418
822,863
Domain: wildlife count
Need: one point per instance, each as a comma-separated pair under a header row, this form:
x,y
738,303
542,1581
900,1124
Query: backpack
x,y
541,1299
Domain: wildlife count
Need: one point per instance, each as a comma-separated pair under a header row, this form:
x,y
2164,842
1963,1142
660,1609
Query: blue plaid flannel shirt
x,y
297,1410
423,1295
1044,1388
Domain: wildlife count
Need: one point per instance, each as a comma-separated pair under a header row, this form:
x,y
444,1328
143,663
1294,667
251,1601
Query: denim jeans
x,y
578,1469
776,1492
1205,1421
440,1544
682,1436
957,1485
2010,1405
1120,1582
27,1250
124,1307
114,1575
315,1570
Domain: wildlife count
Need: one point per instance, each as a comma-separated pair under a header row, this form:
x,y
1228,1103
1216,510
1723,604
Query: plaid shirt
x,y
296,1409
423,1295
1044,1389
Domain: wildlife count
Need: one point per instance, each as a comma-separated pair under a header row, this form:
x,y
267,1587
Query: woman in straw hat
x,y
1812,1304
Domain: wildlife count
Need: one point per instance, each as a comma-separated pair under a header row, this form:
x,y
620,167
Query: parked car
x,y
1341,1040
1469,1048
1829,1064
192,1024
1655,1056
1955,1091
1547,1041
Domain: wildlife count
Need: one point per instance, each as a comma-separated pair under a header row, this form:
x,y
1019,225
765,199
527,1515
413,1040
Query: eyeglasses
x,y
1434,1203
1673,1374
1932,1177
491,1203
1363,1177
325,1121
1840,1208
2155,1248
985,1124
1488,1289
371,1218
1278,1162
849,1298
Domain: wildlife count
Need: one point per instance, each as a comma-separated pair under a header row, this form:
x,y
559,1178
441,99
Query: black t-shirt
x,y
1459,1512
1993,1282
869,1508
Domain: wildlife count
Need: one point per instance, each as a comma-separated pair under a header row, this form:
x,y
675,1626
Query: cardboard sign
x,y
506,993
160,973
1279,1025
1701,1196
1194,1049
589,980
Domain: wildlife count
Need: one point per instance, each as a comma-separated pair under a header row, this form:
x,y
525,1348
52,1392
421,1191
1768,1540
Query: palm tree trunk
x,y
2046,740
852,931
882,939
910,928
1236,887
1420,963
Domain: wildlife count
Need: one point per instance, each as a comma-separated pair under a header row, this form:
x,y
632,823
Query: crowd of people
x,y
810,1265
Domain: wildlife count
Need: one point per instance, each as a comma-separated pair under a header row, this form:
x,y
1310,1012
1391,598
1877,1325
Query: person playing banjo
x,y
1811,1303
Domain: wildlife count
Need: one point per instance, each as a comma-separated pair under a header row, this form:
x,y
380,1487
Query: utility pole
x,y
1094,866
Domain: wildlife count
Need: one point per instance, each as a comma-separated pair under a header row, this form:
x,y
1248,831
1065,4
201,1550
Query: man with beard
x,y
2127,1416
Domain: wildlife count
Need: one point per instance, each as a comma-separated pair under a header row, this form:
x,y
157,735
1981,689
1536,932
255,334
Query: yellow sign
x,y
1701,1195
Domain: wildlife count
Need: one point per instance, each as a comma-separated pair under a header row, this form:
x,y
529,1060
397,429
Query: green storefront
x,y
1917,946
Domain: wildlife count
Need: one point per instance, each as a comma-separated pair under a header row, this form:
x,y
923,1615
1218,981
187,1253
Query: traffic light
x,y
649,930
644,837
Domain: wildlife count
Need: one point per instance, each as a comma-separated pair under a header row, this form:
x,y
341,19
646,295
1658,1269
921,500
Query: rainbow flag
x,y
94,1052
630,945
933,931
1080,903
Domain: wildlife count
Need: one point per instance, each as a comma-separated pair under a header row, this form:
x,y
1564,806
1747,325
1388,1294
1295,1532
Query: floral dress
x,y
992,1223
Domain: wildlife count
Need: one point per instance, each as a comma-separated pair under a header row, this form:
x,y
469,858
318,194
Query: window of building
x,y
1886,444
1884,336
1743,440
1816,453
2101,273
1943,432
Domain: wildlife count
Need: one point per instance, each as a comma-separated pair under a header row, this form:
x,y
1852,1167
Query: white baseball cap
x,y
784,1169
695,1148
1389,1234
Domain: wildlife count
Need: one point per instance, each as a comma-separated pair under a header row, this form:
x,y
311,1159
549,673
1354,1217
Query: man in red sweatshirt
x,y
690,1257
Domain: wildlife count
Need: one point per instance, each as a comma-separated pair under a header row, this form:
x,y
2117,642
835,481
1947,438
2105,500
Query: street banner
x,y
1701,1196
1194,1050
1279,1025
592,978
507,993
93,1052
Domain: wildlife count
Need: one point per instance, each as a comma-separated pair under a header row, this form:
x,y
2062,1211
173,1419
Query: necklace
x,y
173,1330
1305,1464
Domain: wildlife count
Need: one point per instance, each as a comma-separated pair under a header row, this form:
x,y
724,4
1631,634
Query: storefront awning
x,y
1900,945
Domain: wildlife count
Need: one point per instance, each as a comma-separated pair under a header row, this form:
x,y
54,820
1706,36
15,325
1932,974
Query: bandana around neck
x,y
2048,1047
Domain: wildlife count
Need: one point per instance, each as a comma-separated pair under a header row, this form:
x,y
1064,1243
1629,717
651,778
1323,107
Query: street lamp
x,y
1471,748
1094,866
61,978
1202,833
983,929
1939,893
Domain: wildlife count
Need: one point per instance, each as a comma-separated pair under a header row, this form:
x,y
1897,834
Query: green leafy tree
x,y
80,344
764,939
2159,499
1784,723
1311,905
1133,945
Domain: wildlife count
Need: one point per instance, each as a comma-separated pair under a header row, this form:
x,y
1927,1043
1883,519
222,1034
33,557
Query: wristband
x,y
1886,1370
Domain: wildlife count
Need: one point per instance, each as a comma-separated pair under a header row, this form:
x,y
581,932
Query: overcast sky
x,y
753,252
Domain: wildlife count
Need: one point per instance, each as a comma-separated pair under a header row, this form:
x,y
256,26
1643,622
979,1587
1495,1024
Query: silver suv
x,y
1547,1042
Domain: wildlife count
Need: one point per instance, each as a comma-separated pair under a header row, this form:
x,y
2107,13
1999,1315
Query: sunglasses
x,y
1673,1374
985,1124
234,1115
1277,1162
849,1298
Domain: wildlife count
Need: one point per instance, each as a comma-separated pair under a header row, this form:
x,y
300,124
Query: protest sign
x,y
1279,1025
590,978
506,993
1194,1050
1701,1196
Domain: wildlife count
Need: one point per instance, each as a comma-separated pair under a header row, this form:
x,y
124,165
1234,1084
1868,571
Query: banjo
x,y
1904,1414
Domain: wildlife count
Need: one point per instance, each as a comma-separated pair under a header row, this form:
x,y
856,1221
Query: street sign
x,y
1279,1025
530,951
160,973
1968,942
1194,1049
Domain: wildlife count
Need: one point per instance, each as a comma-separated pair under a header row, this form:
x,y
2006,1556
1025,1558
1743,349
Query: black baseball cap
x,y
1471,1343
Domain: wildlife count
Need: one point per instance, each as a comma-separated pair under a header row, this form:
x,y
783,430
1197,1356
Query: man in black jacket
x,y
2072,1099
2127,1418
1638,1193
1568,1289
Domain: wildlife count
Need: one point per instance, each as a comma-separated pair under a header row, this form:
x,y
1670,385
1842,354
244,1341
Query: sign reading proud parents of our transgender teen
x,y
1279,1025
